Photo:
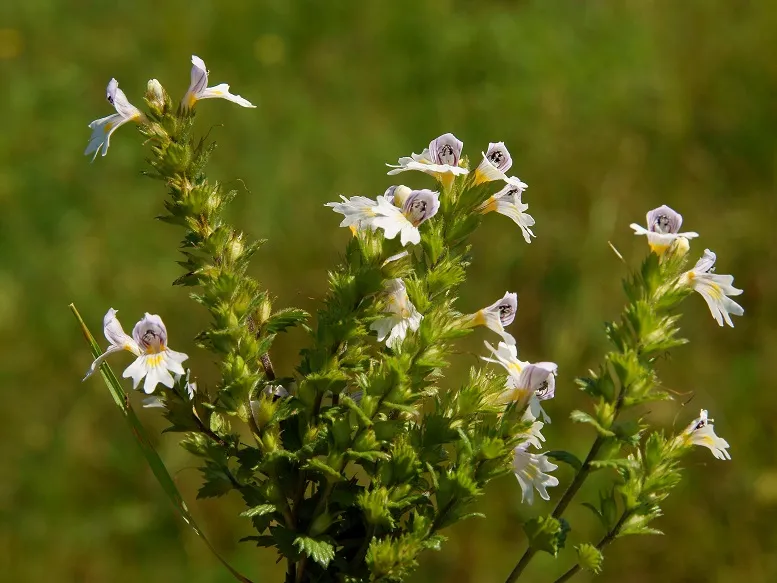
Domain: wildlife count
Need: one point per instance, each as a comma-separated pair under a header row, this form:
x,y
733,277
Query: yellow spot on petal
x,y
489,207
479,319
480,177
108,127
154,360
445,178
715,292
708,441
191,99
354,230
658,249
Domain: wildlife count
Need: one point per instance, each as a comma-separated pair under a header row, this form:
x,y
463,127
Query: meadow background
x,y
609,109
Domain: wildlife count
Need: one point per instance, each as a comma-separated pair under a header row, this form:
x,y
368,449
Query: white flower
x,y
508,202
103,128
663,226
527,383
531,470
403,315
496,161
440,159
198,89
398,212
702,432
155,361
498,315
357,210
714,288
534,433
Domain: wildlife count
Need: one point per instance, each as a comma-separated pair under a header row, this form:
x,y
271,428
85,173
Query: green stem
x,y
607,539
561,505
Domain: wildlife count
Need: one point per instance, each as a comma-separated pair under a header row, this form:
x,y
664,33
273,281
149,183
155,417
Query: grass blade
x,y
152,457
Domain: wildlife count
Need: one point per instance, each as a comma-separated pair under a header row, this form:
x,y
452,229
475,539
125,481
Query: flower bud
x,y
156,97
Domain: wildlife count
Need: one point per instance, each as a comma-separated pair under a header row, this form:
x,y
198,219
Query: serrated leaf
x,y
281,320
581,417
546,533
260,510
264,540
317,465
319,550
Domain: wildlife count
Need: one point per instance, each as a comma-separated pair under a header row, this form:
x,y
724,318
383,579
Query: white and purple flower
x,y
103,128
508,202
198,88
441,159
714,288
155,361
663,226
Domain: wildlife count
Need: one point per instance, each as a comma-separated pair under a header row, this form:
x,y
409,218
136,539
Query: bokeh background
x,y
609,109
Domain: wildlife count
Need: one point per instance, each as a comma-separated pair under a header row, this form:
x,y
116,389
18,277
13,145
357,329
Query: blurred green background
x,y
609,109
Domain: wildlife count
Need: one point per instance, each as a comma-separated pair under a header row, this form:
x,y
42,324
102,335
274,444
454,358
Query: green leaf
x,y
152,457
318,465
281,320
566,457
260,510
546,533
581,417
319,550
589,557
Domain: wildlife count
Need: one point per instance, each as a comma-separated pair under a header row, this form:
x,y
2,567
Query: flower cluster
x,y
103,128
663,226
365,396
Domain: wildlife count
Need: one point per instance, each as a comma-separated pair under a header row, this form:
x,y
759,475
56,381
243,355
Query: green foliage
x,y
546,533
320,551
354,473
589,557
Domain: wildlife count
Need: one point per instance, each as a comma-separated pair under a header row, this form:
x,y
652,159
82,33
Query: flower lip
x,y
664,220
110,91
421,205
151,334
506,308
498,155
446,150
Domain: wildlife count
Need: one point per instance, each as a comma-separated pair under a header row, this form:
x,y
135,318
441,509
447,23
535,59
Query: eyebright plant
x,y
360,457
